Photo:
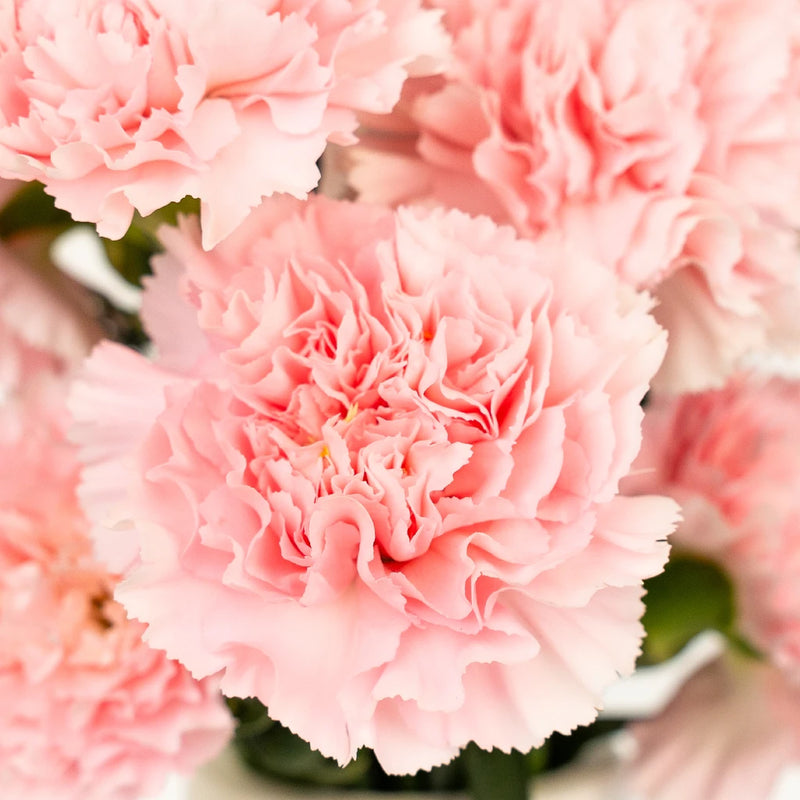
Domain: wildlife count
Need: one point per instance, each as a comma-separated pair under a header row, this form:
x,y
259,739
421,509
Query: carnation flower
x,y
652,133
118,105
732,293
87,711
749,81
569,103
373,482
621,104
728,733
730,458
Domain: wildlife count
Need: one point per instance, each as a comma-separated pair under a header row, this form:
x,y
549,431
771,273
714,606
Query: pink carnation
x,y
373,480
749,81
560,104
730,458
87,710
557,106
732,293
652,133
118,105
728,734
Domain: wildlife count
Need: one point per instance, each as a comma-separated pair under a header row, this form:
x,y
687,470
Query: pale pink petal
x,y
107,460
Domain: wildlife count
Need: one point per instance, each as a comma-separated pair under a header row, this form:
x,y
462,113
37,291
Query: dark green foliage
x,y
691,595
31,209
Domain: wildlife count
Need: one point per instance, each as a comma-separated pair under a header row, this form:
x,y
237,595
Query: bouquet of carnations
x,y
445,321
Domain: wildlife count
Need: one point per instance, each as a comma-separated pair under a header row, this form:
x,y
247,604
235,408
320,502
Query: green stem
x,y
494,775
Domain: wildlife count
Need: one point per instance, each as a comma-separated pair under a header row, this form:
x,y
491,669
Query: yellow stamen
x,y
324,453
351,413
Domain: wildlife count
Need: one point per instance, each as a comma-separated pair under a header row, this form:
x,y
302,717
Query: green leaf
x,y
445,778
131,254
691,595
251,717
273,750
280,754
494,775
537,759
167,215
29,209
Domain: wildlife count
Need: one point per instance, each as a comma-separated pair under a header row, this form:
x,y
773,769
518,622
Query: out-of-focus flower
x,y
749,82
619,104
374,481
727,734
118,105
645,130
730,458
87,710
732,293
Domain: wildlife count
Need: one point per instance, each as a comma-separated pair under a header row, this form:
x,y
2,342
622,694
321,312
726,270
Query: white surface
x,y
224,779
649,689
176,789
80,254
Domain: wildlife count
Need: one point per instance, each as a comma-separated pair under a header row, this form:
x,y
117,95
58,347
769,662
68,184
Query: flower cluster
x,y
371,462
